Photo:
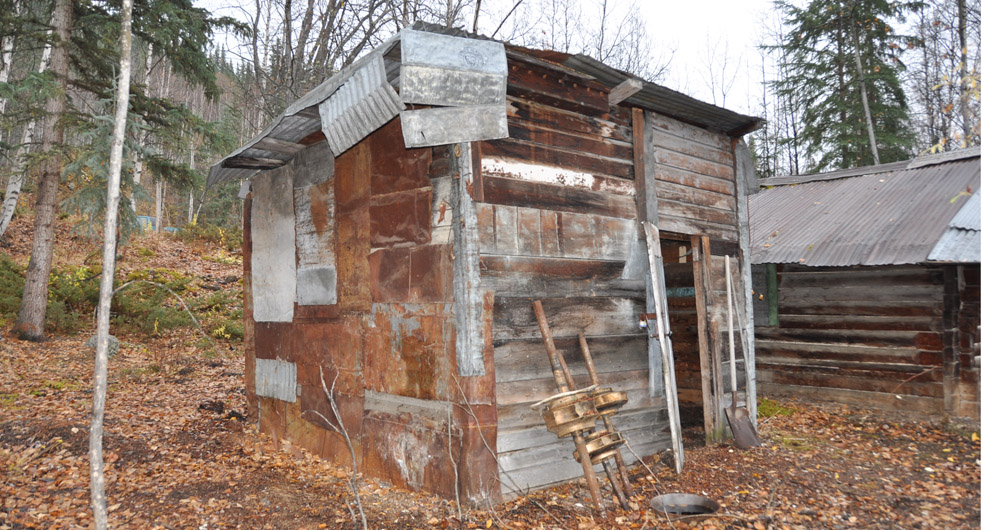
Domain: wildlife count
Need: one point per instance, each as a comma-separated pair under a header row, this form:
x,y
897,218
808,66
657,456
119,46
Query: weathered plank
x,y
522,170
594,145
518,360
690,133
884,338
566,158
838,380
550,277
522,111
514,319
565,90
839,351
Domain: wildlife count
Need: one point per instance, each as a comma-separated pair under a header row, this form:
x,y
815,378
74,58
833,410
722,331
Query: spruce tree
x,y
834,52
85,60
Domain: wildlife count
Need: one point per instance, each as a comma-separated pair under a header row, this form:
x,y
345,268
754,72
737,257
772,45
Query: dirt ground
x,y
180,456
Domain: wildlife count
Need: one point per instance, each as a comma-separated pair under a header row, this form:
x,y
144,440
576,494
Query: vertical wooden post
x,y
772,308
560,377
709,372
949,338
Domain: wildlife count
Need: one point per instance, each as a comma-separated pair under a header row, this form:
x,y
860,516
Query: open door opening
x,y
683,317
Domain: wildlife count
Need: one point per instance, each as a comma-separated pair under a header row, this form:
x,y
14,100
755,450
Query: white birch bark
x,y
96,465
16,180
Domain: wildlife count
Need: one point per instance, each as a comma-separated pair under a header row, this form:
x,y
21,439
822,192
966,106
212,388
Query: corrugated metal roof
x,y
961,241
882,215
300,119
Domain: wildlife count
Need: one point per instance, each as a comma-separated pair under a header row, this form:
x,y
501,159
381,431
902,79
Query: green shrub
x,y
224,238
11,287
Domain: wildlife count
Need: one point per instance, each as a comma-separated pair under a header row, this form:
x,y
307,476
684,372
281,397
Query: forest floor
x,y
180,455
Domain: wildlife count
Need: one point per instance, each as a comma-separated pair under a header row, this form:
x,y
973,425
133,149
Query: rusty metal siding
x,y
884,216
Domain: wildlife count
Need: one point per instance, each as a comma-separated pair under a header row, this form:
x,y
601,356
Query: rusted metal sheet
x,y
448,125
440,69
361,105
408,442
274,276
276,379
879,215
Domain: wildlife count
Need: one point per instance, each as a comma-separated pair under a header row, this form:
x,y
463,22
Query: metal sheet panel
x,y
438,86
879,217
274,275
361,105
444,70
958,246
428,127
432,48
276,379
317,285
970,216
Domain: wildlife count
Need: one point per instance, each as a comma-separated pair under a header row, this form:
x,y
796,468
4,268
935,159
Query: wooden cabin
x,y
402,217
867,285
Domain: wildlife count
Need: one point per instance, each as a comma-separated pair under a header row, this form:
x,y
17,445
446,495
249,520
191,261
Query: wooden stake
x,y
557,373
609,425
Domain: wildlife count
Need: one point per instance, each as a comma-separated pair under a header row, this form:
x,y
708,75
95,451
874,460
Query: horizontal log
x,y
514,318
279,146
904,369
524,111
911,388
687,132
696,212
513,192
525,359
245,162
555,277
843,352
883,276
907,293
686,194
885,338
860,308
693,227
685,177
587,144
665,141
907,323
563,90
565,158
858,398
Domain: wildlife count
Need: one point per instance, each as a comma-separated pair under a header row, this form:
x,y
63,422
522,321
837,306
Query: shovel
x,y
739,418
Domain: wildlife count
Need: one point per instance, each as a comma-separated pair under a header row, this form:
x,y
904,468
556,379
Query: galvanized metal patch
x,y
428,127
361,105
317,285
276,379
439,86
453,53
313,165
274,275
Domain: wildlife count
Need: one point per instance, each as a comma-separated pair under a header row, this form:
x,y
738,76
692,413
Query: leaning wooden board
x,y
657,271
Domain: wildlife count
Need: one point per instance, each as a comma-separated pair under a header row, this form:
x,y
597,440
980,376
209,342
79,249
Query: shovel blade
x,y
744,433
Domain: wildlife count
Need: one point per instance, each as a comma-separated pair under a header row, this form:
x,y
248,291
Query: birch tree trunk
x,y
30,321
965,84
97,474
137,160
17,175
862,93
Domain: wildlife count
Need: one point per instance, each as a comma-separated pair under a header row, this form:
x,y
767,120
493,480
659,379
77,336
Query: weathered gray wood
x,y
274,275
279,146
467,289
660,302
247,162
361,105
447,125
313,165
624,90
513,318
522,359
544,277
276,379
746,185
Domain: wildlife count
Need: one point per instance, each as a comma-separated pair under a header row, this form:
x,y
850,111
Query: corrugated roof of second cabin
x,y
889,214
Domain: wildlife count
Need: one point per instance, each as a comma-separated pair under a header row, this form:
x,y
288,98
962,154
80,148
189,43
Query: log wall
x,y
557,217
868,336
